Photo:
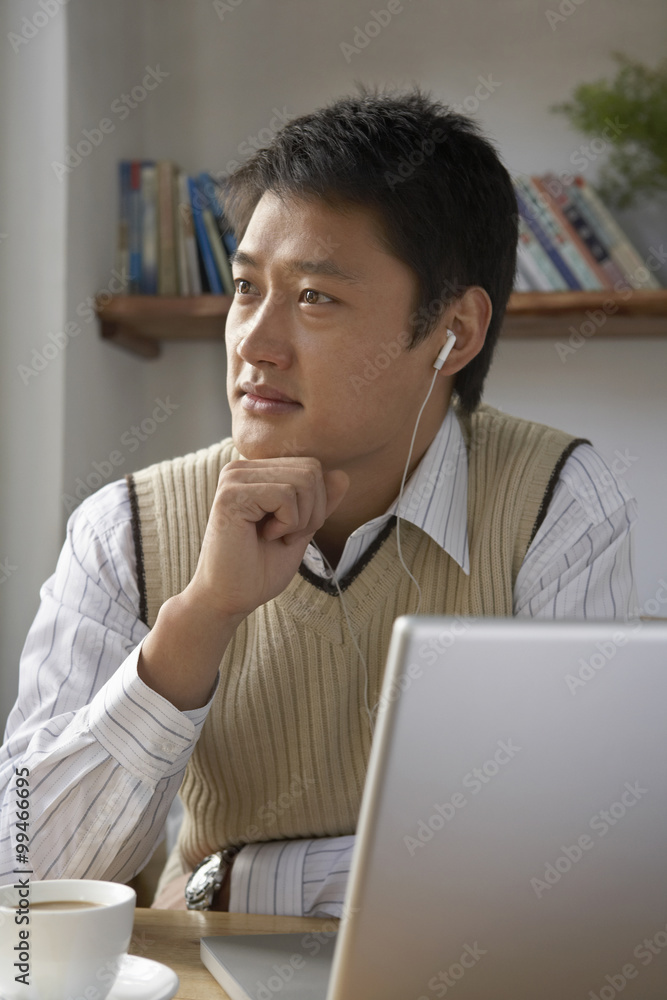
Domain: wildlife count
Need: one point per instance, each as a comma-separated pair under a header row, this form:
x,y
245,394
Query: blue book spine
x,y
545,242
211,187
202,239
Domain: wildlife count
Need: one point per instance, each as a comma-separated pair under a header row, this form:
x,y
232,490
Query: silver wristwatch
x,y
207,878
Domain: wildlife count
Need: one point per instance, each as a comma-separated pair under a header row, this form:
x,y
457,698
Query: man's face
x,y
321,315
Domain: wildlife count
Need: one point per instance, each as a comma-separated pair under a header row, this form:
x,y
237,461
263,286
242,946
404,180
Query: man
x,y
192,631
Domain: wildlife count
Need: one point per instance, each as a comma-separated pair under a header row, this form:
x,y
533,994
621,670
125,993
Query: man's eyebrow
x,y
326,267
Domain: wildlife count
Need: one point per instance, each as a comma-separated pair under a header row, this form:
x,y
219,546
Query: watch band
x,y
207,877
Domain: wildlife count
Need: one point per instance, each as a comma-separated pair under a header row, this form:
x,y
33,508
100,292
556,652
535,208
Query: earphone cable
x,y
400,556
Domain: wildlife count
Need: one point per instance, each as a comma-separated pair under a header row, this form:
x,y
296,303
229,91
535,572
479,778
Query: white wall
x,y
226,75
32,305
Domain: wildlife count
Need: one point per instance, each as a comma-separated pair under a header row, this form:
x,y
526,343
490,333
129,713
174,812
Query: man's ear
x,y
468,317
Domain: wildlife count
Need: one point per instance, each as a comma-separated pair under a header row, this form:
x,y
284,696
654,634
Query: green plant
x,y
636,101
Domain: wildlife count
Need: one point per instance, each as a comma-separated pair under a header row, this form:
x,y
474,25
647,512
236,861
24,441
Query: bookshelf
x,y
140,323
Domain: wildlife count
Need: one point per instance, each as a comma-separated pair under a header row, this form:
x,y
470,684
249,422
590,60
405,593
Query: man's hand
x,y
264,514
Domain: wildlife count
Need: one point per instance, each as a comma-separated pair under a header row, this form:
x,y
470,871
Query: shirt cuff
x,y
268,878
143,731
292,877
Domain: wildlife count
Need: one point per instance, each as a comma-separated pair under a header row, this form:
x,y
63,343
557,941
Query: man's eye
x,y
311,296
242,286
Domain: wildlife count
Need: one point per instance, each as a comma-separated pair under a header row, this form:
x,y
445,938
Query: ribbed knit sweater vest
x,y
284,750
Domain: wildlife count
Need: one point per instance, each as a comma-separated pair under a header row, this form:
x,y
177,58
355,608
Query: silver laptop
x,y
512,837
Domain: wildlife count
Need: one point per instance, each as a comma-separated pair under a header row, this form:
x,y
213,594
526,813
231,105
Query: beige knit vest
x,y
284,750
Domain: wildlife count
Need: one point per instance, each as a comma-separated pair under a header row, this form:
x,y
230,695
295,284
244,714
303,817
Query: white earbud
x,y
444,353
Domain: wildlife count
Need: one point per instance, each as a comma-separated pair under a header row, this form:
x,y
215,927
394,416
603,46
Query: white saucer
x,y
144,979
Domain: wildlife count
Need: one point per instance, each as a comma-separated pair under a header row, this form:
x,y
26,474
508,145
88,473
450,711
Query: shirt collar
x,y
435,498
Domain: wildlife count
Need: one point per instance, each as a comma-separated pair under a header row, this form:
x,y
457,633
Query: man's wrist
x,y
205,886
184,635
221,899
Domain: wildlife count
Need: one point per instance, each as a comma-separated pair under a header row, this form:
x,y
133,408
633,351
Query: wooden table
x,y
172,937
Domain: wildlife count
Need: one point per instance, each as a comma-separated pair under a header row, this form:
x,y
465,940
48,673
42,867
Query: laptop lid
x,y
512,837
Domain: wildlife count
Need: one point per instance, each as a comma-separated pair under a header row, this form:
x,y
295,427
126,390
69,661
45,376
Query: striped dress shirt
x,y
106,754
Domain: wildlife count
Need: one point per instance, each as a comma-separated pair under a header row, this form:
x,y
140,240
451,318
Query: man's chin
x,y
267,442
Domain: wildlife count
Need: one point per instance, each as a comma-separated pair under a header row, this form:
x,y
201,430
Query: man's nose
x,y
264,336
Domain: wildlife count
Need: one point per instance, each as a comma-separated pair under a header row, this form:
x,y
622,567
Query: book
x,y
219,252
551,225
216,225
205,287
182,279
527,210
620,248
190,243
123,246
135,227
167,280
558,204
565,196
543,275
210,269
148,281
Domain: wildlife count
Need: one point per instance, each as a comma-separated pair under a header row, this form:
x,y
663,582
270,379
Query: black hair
x,y
444,202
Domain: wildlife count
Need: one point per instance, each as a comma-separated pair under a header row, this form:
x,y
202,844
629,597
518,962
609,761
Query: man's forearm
x,y
100,785
180,657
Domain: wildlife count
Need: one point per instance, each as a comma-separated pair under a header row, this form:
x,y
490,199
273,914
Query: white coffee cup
x,y
63,954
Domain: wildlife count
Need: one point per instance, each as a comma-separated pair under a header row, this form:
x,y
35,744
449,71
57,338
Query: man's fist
x,y
264,514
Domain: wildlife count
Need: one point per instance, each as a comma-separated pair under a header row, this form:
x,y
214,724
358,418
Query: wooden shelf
x,y
140,322
636,313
